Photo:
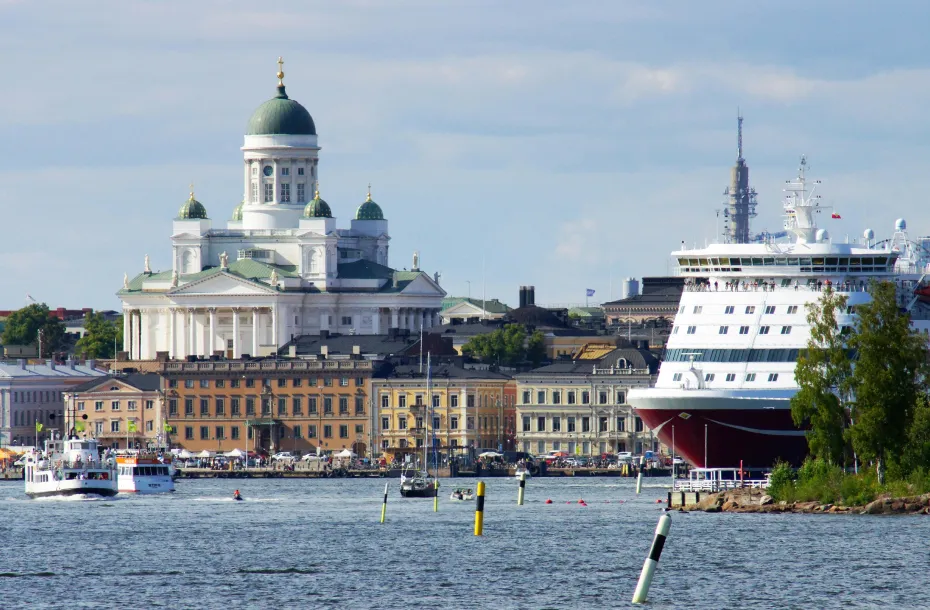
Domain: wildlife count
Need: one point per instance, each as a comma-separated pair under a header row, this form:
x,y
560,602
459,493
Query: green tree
x,y
505,346
822,372
23,326
917,450
101,338
536,348
887,379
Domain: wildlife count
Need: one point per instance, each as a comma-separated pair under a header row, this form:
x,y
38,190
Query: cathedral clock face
x,y
268,170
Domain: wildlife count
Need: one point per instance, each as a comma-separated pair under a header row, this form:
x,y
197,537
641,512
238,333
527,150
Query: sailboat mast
x,y
429,398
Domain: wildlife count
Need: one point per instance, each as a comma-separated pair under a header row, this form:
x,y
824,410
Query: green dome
x,y
317,208
192,209
237,213
281,116
369,210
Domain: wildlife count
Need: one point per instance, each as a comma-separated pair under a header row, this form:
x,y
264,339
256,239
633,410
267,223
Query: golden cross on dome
x,y
369,191
192,191
280,71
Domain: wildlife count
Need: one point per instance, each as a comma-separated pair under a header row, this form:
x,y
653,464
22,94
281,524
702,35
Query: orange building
x,y
270,405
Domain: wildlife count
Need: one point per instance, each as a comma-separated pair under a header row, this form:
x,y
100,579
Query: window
x,y
454,423
385,423
681,309
585,424
571,398
602,398
692,330
540,424
526,397
569,424
675,330
205,383
188,433
98,406
750,376
621,424
250,383
347,320
343,405
731,376
114,405
297,406
435,422
786,330
526,423
402,401
540,397
311,431
556,424
131,405
773,376
585,397
792,309
556,398
282,383
254,194
709,377
359,382
401,423
343,431
359,429
744,330
723,330
282,407
220,407
204,407
172,383
638,424
221,383
114,426
470,400
621,398
204,433
698,308
234,383
298,433
327,405
250,406
269,192
602,424
728,309
311,405
300,171
769,309
676,377
327,431
220,433
385,401
173,407
285,193
285,171
454,400
435,400
344,382
750,309
763,330
188,406
360,404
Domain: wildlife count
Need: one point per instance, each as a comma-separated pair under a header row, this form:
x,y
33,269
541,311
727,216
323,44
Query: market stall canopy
x,y
206,453
235,453
345,453
491,454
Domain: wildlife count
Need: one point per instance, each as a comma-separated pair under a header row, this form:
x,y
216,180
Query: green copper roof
x,y
192,209
317,208
369,210
237,213
280,116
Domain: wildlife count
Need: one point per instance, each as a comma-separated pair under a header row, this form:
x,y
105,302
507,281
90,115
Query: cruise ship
x,y
722,397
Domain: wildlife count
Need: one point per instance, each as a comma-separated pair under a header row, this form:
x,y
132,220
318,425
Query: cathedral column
x,y
237,346
394,321
143,334
127,332
256,320
376,322
212,311
274,325
411,321
129,336
172,335
324,320
420,322
180,338
192,320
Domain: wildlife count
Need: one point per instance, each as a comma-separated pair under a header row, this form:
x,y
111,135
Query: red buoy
x,y
548,501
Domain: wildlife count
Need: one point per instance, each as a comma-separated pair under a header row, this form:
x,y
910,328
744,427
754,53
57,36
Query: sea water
x,y
318,544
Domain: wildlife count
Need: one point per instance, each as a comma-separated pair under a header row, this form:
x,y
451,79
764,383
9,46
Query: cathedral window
x,y
300,171
285,171
269,192
254,170
254,197
301,191
285,193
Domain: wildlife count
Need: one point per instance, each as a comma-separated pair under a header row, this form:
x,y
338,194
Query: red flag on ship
x,y
835,215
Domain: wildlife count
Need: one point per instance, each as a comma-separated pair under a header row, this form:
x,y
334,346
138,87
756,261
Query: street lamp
x,y
268,394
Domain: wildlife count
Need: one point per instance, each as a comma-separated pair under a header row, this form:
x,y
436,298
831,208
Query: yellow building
x,y
460,408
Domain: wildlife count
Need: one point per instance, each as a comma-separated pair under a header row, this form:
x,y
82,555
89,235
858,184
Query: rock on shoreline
x,y
756,501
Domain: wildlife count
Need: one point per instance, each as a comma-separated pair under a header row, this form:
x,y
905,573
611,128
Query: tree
x,y
887,379
917,451
822,372
101,336
23,326
505,346
536,348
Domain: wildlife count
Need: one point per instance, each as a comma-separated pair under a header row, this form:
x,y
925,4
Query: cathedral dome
x,y
281,116
369,210
237,212
192,209
317,208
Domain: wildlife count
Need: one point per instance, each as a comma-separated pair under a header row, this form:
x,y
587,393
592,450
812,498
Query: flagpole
x,y
37,434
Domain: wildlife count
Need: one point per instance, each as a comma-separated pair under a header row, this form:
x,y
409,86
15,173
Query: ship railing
x,y
755,286
688,485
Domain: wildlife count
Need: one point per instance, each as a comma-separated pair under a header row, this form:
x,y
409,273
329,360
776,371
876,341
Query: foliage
x,y
916,453
101,336
506,346
821,373
887,379
23,325
821,481
782,480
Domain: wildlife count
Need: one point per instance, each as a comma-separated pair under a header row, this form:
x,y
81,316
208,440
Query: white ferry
x,y
723,393
69,467
143,474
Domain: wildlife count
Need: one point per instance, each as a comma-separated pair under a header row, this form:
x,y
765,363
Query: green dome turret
x,y
281,115
192,209
237,212
369,210
317,208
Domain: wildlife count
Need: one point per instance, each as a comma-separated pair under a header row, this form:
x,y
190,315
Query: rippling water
x,y
318,544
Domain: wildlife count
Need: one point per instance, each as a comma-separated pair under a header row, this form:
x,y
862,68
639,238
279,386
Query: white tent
x,y
235,453
206,453
345,453
185,454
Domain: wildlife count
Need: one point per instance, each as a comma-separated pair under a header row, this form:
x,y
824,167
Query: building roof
x,y
586,312
445,370
534,315
280,116
364,270
19,369
317,208
371,346
664,291
237,212
145,382
617,358
488,305
245,268
369,210
192,209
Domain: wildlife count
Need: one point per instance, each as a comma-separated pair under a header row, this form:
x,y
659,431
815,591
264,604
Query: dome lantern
x,y
317,208
369,210
192,209
281,115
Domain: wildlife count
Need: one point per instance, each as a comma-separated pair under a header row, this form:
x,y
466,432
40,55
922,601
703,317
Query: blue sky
x,y
565,145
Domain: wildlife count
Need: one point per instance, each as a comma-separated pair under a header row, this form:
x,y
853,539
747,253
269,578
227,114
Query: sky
x,y
565,145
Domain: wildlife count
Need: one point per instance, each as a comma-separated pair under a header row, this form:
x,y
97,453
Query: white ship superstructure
x,y
724,387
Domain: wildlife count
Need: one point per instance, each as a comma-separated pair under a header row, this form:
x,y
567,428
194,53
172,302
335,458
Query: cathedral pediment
x,y
223,284
422,285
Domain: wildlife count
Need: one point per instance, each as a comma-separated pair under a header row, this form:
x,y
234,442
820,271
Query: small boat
x,y
462,494
522,469
419,485
68,468
143,474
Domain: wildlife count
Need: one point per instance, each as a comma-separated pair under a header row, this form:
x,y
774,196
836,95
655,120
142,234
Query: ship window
x,y
792,309
769,309
781,261
723,330
750,376
768,261
854,262
709,377
681,309
731,376
698,308
786,330
831,261
757,261
724,261
744,330
764,330
675,331
729,309
676,377
750,309
773,376
692,329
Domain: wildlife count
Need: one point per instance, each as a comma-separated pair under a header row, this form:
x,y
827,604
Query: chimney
x,y
324,351
22,363
50,364
356,350
531,295
522,296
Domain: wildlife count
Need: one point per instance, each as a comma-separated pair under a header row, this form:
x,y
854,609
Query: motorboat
x,y
143,474
67,468
462,494
522,470
418,485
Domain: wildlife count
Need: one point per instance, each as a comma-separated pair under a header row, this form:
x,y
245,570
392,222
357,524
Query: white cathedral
x,y
280,267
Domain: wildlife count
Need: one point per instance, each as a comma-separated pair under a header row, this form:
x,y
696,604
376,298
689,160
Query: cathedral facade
x,y
280,267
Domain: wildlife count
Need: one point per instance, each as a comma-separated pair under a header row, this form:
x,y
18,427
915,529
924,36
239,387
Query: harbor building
x,y
580,405
33,394
121,412
461,408
299,405
280,266
467,309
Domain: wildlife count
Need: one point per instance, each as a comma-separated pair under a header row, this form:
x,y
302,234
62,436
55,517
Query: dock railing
x,y
717,479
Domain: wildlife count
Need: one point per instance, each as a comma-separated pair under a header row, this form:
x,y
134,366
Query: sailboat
x,y
422,484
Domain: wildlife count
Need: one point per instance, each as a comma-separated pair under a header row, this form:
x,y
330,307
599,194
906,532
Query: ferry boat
x,y
69,467
722,397
143,474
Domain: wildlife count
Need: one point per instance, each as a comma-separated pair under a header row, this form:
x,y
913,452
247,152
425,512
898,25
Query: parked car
x,y
283,455
624,456
309,457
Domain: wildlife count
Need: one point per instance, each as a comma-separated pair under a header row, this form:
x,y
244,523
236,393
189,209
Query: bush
x,y
781,483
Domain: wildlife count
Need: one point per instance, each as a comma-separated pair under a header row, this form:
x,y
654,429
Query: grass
x,y
819,481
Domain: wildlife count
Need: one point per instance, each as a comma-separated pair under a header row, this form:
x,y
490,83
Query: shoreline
x,y
756,501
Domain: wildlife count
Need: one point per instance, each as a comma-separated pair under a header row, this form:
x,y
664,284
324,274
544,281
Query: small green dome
x,y
192,209
281,116
317,208
237,213
369,210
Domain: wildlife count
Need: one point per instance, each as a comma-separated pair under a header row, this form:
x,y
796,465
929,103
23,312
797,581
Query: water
x,y
318,544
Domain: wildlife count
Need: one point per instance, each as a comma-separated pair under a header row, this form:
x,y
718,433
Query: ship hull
x,y
752,429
